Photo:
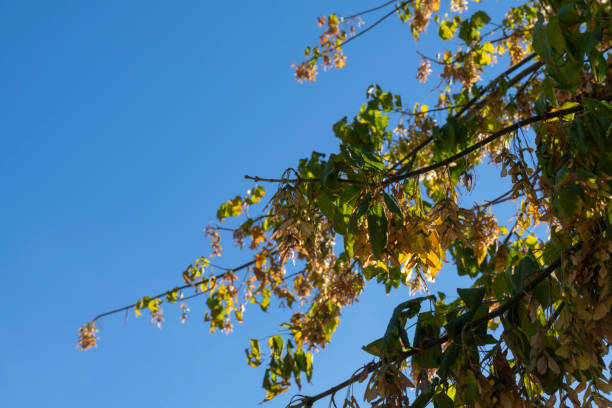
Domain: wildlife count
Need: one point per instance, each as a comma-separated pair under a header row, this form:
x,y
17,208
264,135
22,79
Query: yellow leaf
x,y
403,257
481,255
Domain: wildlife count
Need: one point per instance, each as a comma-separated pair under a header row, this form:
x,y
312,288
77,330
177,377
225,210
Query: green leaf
x,y
335,210
455,326
300,359
265,301
411,307
422,400
386,100
540,42
393,205
373,161
328,170
442,400
546,292
395,328
253,355
555,35
472,297
501,287
467,32
598,64
479,19
309,366
377,228
569,16
449,358
375,348
567,201
525,268
276,344
353,155
426,331
360,211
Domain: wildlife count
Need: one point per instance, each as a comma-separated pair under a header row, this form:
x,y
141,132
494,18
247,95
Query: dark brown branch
x,y
413,154
282,180
403,175
400,176
308,401
484,142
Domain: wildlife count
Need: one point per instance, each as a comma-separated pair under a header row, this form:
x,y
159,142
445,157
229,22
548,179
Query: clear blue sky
x,y
123,126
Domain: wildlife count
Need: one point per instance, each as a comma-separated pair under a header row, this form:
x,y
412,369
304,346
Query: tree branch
x,y
298,180
188,285
484,142
361,13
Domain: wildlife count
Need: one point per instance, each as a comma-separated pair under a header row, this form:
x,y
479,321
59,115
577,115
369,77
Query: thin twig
x,y
370,10
188,285
371,26
299,180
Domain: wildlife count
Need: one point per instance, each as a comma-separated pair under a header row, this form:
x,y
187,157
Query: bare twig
x,y
361,13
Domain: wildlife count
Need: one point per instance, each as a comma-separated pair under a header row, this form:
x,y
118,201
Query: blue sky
x,y
124,126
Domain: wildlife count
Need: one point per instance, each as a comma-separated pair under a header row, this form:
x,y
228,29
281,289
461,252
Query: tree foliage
x,y
386,208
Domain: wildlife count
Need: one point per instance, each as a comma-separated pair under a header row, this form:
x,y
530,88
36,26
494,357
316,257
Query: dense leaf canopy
x,y
386,208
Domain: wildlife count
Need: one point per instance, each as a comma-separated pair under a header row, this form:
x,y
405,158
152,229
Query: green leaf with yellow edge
x,y
447,29
254,354
265,300
479,19
276,345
